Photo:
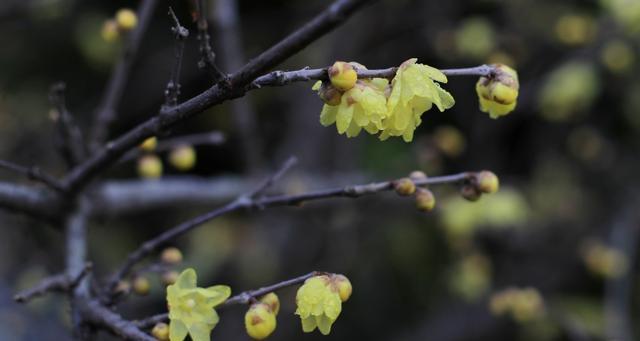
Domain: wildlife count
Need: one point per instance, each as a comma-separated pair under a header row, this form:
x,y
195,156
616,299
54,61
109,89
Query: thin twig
x,y
56,283
242,298
71,141
268,182
106,113
173,86
207,56
33,173
244,202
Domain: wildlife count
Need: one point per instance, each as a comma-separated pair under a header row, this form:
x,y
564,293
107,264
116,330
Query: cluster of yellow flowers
x,y
124,21
191,309
182,157
522,304
391,109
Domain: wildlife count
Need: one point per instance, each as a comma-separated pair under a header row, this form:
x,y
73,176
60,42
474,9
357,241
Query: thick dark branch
x,y
207,56
245,202
40,203
58,283
243,298
99,315
71,141
33,173
106,112
235,87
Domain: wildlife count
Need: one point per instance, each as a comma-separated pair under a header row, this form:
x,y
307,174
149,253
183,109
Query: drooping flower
x,y
413,91
191,308
498,93
319,303
363,106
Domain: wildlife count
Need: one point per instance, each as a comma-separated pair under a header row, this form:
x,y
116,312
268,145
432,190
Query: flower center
x,y
191,303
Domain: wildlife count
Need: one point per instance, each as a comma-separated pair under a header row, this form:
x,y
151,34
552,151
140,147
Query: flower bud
x,y
141,285
487,182
126,19
149,144
498,92
342,284
260,321
170,277
160,331
183,157
329,94
149,167
171,255
417,175
342,76
425,201
470,192
272,300
109,31
404,186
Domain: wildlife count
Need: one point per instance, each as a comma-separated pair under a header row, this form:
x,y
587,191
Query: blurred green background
x,y
564,221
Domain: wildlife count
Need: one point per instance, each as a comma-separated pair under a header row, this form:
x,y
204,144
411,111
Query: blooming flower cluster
x,y
191,308
319,301
377,106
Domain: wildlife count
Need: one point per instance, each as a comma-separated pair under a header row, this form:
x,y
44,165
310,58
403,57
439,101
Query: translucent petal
x,y
324,324
217,294
332,305
187,279
328,115
316,86
407,136
200,332
402,115
309,324
354,129
343,117
445,97
177,330
359,117
372,128
433,73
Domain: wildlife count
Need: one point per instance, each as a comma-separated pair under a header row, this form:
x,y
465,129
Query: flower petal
x,y
200,332
309,324
324,324
177,330
187,279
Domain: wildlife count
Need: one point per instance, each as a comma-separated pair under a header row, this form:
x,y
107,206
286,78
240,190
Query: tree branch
x,y
33,173
172,91
57,283
71,141
207,56
246,202
39,203
97,314
235,87
106,112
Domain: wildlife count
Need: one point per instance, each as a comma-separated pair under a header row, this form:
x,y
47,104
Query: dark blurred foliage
x,y
567,159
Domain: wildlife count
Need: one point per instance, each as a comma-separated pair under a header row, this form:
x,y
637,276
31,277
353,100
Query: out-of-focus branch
x,y
40,203
243,298
56,283
106,112
625,234
33,173
172,91
225,18
247,202
207,56
234,87
99,315
72,144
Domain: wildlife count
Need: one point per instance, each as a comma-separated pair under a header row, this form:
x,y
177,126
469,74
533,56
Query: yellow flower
x,y
413,91
191,308
260,321
319,304
498,94
363,106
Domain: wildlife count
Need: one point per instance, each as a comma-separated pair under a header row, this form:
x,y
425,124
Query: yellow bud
x,y
171,255
160,331
417,175
272,300
109,31
425,201
141,285
183,157
498,92
149,144
404,186
259,321
504,94
126,19
471,193
150,167
342,285
487,182
342,76
329,94
170,277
